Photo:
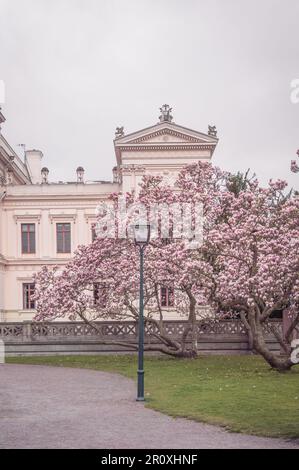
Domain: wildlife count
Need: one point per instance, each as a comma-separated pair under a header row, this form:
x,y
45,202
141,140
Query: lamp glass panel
x,y
141,233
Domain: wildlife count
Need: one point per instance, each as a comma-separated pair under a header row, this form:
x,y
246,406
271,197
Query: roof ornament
x,y
2,118
119,132
165,113
80,174
45,174
212,131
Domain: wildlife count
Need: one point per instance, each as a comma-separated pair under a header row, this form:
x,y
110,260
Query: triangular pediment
x,y
165,133
164,137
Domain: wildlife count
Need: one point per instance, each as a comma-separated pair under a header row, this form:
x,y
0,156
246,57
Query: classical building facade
x,y
42,222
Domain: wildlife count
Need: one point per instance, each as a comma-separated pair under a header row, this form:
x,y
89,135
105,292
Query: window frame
x,y
169,297
64,249
28,251
27,292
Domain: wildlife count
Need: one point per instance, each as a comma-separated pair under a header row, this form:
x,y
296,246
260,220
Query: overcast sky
x,y
76,69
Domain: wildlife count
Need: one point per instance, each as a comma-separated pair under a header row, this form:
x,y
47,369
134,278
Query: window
x,y
28,238
93,232
169,237
99,294
63,237
28,292
167,297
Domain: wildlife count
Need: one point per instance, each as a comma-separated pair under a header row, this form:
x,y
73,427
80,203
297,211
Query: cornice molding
x,y
166,146
28,264
54,217
56,197
27,217
35,205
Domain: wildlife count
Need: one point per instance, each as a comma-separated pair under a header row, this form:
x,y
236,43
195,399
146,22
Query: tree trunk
x,y
190,329
259,344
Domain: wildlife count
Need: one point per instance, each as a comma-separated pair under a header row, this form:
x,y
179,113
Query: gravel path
x,y
52,407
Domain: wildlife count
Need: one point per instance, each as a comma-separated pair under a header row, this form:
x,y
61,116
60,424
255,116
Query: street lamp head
x,y
142,233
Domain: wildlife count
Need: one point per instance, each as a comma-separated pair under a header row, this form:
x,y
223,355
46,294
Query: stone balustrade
x,y
27,338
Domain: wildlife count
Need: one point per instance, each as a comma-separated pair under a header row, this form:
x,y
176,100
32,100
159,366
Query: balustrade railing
x,y
124,330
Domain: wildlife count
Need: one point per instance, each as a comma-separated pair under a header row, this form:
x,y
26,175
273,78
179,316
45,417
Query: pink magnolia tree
x,y
251,243
256,264
69,294
112,266
247,264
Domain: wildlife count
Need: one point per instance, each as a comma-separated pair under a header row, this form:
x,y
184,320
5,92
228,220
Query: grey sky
x,y
76,69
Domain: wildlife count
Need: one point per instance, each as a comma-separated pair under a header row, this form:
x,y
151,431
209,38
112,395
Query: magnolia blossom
x,y
247,265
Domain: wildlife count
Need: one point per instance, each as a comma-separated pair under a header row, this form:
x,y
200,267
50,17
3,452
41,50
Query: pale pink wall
x,y
44,206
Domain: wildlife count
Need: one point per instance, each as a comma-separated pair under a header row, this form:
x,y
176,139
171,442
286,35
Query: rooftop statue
x,y
165,113
119,132
212,131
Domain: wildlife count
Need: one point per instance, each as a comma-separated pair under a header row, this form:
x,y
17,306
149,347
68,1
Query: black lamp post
x,y
142,238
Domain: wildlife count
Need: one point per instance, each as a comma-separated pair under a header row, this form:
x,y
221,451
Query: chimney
x,y
33,161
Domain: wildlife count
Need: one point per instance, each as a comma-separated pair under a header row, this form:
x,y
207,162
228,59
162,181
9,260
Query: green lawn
x,y
239,392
